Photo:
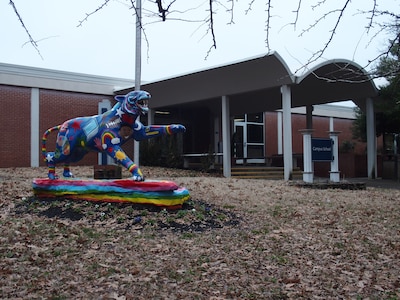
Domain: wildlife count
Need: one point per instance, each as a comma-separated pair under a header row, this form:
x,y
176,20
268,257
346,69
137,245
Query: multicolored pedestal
x,y
156,192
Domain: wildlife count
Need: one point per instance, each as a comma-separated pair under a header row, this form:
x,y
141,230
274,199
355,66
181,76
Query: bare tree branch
x,y
318,54
31,40
250,6
383,27
387,52
297,13
231,10
371,18
43,39
93,12
318,4
345,73
163,12
141,28
268,24
211,28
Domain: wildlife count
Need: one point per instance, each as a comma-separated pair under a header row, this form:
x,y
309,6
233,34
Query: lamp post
x,y
138,65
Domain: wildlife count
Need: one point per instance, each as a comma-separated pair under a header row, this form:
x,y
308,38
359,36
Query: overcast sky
x,y
105,43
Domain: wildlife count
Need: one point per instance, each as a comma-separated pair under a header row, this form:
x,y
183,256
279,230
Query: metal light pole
x,y
138,65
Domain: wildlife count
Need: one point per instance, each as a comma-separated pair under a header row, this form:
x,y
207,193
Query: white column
x,y
371,139
287,131
279,132
138,68
226,137
334,173
35,135
308,173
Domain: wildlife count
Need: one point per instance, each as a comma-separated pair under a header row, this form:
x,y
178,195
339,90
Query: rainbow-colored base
x,y
156,192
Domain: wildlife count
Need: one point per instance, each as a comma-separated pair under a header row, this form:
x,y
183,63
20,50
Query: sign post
x,y
319,150
308,173
334,173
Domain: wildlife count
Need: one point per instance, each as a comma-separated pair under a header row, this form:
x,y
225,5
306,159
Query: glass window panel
x,y
255,133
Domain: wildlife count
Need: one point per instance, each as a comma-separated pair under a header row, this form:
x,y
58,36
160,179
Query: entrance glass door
x,y
248,139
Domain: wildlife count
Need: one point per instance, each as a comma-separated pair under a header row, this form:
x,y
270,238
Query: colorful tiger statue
x,y
104,133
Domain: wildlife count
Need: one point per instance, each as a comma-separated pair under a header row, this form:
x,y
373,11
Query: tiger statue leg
x,y
48,157
62,153
105,133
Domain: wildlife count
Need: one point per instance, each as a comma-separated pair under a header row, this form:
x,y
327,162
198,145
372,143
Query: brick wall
x,y
321,130
55,108
15,121
352,164
271,134
59,106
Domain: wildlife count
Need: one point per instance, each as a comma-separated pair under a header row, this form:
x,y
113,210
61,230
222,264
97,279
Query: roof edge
x,y
19,75
299,79
243,60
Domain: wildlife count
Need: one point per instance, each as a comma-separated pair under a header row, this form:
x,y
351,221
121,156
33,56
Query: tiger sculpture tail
x,y
105,133
47,155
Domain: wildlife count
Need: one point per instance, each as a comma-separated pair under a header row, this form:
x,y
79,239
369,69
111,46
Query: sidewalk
x,y
378,183
375,183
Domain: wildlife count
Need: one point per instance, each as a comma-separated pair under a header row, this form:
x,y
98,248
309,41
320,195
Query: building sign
x,y
321,149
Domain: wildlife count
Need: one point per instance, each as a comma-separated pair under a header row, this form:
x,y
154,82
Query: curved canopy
x,y
332,81
261,84
253,85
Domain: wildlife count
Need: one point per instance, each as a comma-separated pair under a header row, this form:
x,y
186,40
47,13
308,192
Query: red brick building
x,y
36,99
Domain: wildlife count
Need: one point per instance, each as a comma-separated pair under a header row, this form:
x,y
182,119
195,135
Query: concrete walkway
x,y
375,183
378,183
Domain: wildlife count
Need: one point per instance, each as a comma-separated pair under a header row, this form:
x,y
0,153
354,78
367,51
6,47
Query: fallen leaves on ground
x,y
235,239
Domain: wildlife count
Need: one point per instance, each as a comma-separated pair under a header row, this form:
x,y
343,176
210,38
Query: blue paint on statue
x,y
104,133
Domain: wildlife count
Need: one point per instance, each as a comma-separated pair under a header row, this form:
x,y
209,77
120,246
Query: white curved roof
x,y
253,85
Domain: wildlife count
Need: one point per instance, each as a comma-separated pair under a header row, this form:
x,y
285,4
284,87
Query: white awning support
x,y
308,173
226,136
287,131
371,139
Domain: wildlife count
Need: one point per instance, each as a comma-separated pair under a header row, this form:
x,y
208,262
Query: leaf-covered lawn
x,y
235,239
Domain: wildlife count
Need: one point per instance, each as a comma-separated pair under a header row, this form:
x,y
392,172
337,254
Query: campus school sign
x,y
321,149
